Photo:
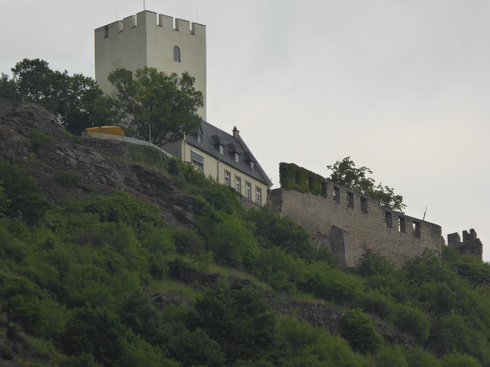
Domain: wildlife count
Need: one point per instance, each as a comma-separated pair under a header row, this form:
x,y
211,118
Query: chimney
x,y
236,133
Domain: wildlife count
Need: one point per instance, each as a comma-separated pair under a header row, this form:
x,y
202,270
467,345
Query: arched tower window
x,y
176,54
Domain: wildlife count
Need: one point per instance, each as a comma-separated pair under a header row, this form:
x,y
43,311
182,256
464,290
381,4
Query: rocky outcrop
x,y
33,138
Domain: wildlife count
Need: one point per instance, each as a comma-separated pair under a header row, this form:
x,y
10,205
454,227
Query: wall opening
x,y
364,205
336,195
106,31
350,200
416,229
324,189
297,177
401,225
388,220
176,54
311,183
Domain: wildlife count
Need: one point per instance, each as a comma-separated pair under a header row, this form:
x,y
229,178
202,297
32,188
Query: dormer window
x,y
221,149
252,165
199,138
237,158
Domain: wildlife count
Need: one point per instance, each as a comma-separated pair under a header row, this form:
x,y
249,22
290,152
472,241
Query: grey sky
x,y
400,86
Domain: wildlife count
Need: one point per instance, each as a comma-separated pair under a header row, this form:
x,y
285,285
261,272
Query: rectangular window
x,y
238,184
416,229
324,189
227,178
388,220
198,161
258,195
364,205
401,224
252,165
248,190
237,158
336,195
221,149
350,200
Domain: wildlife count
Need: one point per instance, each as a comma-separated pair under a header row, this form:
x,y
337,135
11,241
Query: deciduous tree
x,y
162,107
346,173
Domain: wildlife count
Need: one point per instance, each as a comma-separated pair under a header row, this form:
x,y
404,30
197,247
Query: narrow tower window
x,y
176,54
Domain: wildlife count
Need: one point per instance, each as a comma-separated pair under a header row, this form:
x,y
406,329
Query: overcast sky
x,y
401,87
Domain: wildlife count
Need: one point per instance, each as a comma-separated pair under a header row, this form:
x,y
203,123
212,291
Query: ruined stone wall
x,y
348,223
470,245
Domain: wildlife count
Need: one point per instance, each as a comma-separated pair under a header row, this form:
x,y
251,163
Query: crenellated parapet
x,y
349,222
146,18
470,245
154,40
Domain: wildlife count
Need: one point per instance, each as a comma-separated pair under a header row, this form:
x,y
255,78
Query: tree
x,y
346,173
76,100
163,108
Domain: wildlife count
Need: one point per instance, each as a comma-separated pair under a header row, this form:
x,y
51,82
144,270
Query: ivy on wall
x,y
294,177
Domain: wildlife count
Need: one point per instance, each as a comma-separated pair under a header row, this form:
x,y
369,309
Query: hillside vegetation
x,y
163,267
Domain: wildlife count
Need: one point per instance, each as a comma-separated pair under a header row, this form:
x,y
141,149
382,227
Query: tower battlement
x,y
168,44
470,245
147,18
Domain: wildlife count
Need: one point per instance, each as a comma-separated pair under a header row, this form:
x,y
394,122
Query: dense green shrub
x,y
38,139
280,270
293,177
239,320
188,241
332,284
359,330
271,229
126,208
459,360
233,243
69,178
25,197
412,321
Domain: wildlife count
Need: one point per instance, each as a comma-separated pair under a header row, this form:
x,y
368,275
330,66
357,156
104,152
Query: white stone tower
x,y
153,40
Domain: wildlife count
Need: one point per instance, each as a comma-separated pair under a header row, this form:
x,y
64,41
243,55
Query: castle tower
x,y
154,40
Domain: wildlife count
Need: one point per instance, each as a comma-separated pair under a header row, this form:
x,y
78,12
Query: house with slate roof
x,y
226,158
176,45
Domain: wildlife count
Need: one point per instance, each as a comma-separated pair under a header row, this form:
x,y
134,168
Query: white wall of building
x,y
148,39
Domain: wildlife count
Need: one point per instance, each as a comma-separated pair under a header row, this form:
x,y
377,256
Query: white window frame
x,y
258,195
227,178
248,190
238,184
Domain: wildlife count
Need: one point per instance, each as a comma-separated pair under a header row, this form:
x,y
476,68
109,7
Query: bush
x,y
359,330
188,241
232,243
69,178
26,197
412,321
37,140
459,360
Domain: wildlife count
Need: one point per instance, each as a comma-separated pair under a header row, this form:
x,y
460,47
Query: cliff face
x,y
71,167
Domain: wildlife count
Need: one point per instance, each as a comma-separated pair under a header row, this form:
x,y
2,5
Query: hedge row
x,y
293,177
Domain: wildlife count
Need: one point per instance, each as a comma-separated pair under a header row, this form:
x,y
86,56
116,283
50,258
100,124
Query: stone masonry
x,y
349,223
471,244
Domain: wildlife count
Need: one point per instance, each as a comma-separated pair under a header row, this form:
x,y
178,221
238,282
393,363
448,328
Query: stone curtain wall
x,y
348,223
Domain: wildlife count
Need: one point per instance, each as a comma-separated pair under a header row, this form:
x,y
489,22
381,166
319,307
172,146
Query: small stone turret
x,y
470,245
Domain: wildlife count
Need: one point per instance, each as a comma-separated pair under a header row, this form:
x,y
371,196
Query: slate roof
x,y
212,138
